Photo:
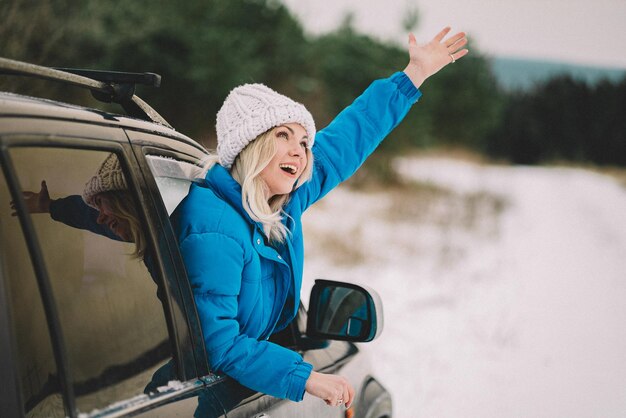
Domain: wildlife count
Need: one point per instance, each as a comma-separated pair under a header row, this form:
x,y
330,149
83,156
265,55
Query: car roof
x,y
105,86
19,106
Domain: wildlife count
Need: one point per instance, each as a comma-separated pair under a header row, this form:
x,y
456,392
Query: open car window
x,y
173,178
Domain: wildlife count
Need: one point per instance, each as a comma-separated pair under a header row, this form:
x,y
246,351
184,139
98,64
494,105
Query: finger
x,y
333,396
339,392
459,54
44,186
351,394
457,45
441,34
340,398
346,394
412,40
453,39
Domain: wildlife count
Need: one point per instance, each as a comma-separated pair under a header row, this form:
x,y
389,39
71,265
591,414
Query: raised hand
x,y
427,59
35,202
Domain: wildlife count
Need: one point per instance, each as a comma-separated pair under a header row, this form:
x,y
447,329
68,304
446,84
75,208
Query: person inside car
x,y
105,207
239,229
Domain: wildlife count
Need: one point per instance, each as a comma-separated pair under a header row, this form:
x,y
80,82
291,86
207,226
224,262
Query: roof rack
x,y
105,86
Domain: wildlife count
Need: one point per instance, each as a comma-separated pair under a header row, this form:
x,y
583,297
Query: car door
x,y
172,172
93,329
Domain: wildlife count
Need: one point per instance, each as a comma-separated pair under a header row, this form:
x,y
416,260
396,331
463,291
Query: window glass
x,y
101,270
173,178
39,386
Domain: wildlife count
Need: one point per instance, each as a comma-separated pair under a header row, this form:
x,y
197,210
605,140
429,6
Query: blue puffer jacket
x,y
246,289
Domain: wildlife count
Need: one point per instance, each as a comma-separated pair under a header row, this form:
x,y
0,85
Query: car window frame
x,y
10,397
143,145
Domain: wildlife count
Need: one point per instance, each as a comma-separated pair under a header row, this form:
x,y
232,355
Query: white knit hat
x,y
251,110
108,178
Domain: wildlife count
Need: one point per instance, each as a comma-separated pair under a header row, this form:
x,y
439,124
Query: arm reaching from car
x,y
342,147
71,211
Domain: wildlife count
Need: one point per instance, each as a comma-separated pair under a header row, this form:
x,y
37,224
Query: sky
x,y
588,32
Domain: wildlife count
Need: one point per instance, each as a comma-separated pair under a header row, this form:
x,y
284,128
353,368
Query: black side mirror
x,y
344,311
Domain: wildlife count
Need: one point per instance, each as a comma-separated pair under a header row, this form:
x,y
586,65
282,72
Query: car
x,y
88,329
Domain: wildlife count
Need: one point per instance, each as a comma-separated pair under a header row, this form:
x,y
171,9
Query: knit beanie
x,y
109,177
249,111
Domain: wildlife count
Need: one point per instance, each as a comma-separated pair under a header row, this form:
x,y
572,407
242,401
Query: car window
x,y
39,386
101,271
173,178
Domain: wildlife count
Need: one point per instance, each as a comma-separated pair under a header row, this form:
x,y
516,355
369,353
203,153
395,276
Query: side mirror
x,y
344,311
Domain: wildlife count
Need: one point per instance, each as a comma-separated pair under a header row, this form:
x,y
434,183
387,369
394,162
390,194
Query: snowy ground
x,y
504,287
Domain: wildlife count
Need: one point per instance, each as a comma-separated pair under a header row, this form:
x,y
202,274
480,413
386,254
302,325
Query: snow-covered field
x,y
504,287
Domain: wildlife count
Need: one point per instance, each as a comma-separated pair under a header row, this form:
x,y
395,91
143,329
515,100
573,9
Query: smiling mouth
x,y
289,168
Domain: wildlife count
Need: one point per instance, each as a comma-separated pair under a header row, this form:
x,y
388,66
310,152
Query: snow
x,y
504,292
172,385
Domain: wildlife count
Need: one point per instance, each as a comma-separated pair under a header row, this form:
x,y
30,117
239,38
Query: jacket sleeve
x,y
73,211
259,365
342,146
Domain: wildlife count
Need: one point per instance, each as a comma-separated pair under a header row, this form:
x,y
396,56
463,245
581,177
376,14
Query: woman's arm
x,y
71,211
354,134
216,277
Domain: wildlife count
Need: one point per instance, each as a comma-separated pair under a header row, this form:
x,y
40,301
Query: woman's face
x,y
107,216
289,161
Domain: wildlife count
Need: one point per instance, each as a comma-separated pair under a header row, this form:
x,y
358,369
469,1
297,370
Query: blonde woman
x,y
239,229
104,208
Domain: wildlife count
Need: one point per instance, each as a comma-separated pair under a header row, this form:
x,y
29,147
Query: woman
x,y
104,208
240,231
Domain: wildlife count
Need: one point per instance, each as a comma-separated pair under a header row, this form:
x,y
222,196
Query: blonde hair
x,y
123,207
246,170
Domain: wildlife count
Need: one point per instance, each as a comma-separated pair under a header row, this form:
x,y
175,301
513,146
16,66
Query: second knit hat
x,y
108,178
251,110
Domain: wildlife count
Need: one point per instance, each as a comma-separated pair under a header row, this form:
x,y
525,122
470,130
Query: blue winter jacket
x,y
246,289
